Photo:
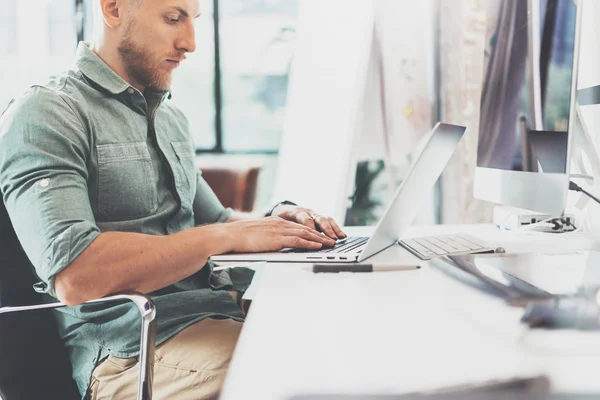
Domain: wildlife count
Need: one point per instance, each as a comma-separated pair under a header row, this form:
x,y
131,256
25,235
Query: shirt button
x,y
44,182
130,91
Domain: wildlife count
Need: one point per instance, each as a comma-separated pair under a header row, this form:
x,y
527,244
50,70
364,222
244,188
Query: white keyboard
x,y
429,247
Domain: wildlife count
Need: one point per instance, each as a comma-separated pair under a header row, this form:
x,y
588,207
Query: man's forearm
x,y
243,216
122,261
280,210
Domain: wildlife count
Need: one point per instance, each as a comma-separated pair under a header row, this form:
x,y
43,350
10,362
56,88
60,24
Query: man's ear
x,y
112,12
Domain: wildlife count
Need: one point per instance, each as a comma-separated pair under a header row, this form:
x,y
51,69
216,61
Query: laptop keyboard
x,y
341,246
429,247
425,248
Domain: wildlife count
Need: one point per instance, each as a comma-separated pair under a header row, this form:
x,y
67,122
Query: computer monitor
x,y
527,103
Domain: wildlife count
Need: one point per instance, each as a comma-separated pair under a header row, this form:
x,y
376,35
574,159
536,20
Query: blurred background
x,y
421,62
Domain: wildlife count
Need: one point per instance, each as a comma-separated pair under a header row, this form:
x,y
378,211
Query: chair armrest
x,y
147,334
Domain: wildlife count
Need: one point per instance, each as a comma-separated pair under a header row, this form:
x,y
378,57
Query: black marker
x,y
330,267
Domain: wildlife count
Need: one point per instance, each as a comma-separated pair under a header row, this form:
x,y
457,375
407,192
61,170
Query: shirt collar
x,y
94,68
98,71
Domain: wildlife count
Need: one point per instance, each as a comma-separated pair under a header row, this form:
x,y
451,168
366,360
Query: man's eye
x,y
171,21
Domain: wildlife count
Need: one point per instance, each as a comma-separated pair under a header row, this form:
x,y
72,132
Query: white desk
x,y
394,332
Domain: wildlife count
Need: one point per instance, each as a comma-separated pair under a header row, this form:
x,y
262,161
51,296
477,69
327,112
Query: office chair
x,y
34,363
235,187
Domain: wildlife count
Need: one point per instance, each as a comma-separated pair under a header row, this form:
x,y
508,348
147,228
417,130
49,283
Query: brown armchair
x,y
235,186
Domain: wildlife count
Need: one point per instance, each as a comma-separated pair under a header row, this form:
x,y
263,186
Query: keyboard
x,y
429,247
341,246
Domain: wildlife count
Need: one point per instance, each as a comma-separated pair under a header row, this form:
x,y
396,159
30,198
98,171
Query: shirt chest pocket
x,y
186,157
126,181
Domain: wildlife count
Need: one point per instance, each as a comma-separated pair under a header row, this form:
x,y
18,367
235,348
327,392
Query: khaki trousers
x,y
190,365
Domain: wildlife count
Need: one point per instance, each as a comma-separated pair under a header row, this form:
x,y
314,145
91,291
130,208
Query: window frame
x,y
218,98
218,148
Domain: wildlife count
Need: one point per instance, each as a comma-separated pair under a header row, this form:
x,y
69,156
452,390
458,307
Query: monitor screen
x,y
526,89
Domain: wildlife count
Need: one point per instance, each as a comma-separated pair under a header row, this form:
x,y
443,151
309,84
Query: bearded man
x,y
98,176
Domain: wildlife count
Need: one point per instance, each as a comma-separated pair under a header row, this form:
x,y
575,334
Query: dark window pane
x,y
560,68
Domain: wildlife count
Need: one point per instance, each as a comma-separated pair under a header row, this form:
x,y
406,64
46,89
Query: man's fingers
x,y
325,224
306,220
337,230
298,242
302,234
315,237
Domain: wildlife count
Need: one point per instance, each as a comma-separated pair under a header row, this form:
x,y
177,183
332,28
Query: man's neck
x,y
110,56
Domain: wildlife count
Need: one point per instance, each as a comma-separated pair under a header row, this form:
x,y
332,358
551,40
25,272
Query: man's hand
x,y
272,234
310,219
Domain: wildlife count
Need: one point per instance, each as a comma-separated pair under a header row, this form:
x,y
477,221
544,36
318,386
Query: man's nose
x,y
187,39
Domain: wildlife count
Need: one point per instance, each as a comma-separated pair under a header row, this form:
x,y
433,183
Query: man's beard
x,y
142,67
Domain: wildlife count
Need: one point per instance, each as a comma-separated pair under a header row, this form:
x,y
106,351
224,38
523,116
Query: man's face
x,y
157,34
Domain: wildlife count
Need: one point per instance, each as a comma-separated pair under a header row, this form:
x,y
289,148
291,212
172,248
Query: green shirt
x,y
87,153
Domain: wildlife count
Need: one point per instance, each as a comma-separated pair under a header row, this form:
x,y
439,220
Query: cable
x,y
554,224
575,187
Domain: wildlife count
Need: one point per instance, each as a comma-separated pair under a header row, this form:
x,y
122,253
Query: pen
x,y
330,267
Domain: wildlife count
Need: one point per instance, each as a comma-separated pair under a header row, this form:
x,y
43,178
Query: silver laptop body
x,y
440,144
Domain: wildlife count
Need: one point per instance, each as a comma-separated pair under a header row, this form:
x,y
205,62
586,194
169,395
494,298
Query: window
x,y
193,86
233,89
62,30
8,29
256,48
32,31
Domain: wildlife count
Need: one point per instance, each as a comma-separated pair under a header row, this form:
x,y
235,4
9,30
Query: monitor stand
x,y
583,169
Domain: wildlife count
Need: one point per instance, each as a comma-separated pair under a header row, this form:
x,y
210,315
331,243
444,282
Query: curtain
x,y
504,77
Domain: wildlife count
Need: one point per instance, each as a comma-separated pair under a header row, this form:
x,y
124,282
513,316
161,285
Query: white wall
x,y
462,31
589,75
589,65
324,105
351,64
399,96
36,58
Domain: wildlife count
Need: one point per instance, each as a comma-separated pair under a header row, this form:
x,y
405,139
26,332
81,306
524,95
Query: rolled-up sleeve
x,y
207,207
44,148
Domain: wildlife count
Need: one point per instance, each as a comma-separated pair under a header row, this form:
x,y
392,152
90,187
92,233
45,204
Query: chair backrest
x,y
235,186
34,363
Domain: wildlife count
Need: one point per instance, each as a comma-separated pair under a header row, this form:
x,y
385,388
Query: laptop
x,y
439,146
